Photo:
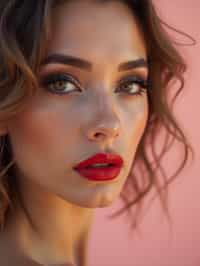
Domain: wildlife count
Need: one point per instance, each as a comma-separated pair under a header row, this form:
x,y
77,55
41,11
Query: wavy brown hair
x,y
25,27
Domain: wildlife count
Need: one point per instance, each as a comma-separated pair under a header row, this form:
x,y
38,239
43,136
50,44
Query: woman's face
x,y
57,131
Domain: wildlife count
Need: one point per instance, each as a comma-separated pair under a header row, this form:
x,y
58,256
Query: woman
x,y
84,88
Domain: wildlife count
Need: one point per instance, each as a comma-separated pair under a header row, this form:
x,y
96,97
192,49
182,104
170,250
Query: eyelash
x,y
59,77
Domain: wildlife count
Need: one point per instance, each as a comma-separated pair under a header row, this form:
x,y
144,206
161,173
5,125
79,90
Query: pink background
x,y
111,242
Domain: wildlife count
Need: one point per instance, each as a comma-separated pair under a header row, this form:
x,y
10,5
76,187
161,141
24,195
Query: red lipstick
x,y
100,167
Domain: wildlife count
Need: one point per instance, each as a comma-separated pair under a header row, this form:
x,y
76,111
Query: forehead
x,y
96,31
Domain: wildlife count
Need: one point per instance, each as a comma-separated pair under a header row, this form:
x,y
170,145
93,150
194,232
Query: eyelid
x,y
130,77
45,77
138,79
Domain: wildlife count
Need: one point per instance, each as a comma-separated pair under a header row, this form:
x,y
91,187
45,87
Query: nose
x,y
104,130
106,123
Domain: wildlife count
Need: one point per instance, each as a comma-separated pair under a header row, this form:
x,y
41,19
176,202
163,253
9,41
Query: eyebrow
x,y
86,65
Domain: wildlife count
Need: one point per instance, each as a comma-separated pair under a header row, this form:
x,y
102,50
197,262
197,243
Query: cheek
x,y
31,132
135,123
43,123
40,136
30,136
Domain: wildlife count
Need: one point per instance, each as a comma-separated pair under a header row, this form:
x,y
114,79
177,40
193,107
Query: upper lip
x,y
110,158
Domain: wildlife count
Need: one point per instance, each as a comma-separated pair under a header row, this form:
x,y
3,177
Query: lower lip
x,y
100,174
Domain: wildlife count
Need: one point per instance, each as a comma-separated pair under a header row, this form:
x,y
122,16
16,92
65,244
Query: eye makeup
x,y
59,79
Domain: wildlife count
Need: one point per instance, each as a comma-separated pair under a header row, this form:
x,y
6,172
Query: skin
x,y
55,132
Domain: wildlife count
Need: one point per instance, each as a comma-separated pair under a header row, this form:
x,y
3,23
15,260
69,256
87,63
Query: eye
x,y
60,83
133,85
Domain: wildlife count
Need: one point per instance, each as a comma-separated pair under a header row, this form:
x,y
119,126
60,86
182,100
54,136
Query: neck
x,y
51,230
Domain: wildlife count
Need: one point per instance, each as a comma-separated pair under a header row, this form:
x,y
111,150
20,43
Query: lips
x,y
107,158
111,171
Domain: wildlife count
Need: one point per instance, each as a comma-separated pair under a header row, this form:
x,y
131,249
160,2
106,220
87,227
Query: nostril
x,y
97,134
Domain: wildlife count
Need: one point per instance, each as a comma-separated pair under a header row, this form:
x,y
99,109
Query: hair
x,y
20,57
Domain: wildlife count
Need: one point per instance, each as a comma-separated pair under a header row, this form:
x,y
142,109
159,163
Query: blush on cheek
x,y
31,133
